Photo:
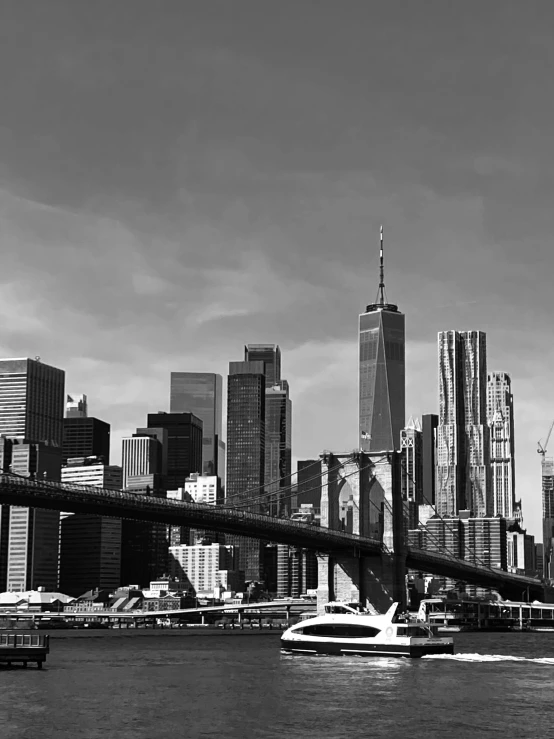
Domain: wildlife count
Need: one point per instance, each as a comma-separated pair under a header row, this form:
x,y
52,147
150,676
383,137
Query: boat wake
x,y
491,658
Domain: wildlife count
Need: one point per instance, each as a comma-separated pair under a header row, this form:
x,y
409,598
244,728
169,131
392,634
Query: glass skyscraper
x,y
246,432
382,371
201,393
278,426
463,443
184,444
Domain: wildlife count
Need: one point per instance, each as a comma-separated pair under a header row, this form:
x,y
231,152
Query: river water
x,y
157,685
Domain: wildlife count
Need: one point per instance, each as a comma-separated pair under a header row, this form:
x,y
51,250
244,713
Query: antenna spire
x,y
381,294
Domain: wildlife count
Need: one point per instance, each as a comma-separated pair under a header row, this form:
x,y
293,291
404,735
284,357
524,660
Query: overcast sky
x,y
181,177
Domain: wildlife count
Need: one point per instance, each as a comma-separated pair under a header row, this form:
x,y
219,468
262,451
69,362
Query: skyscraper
x,y
31,415
500,414
463,444
278,422
184,444
382,384
308,482
547,479
200,393
429,423
85,437
246,454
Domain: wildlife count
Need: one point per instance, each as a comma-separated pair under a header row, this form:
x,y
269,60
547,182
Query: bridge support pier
x,y
361,494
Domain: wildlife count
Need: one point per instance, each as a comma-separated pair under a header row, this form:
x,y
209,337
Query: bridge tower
x,y
361,494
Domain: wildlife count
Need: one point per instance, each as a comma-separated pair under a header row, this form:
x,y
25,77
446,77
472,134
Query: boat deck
x,y
24,648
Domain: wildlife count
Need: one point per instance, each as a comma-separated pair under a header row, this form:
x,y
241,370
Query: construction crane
x,y
542,449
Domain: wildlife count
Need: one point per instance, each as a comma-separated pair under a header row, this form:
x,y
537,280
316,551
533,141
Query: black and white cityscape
x,y
276,398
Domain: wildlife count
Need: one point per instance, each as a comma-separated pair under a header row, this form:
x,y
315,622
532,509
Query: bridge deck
x,y
93,500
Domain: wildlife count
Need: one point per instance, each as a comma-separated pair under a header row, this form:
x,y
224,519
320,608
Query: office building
x,y
201,394
308,483
85,437
142,454
246,455
463,442
500,415
76,406
429,423
382,383
205,567
90,546
33,538
520,553
278,427
31,415
411,444
202,488
184,444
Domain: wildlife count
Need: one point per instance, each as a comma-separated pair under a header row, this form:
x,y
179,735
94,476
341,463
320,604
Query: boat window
x,y
412,631
346,631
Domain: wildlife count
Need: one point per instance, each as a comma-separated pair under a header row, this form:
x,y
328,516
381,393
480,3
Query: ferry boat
x,y
344,630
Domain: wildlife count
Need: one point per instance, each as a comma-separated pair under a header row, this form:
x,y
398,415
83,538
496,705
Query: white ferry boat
x,y
344,630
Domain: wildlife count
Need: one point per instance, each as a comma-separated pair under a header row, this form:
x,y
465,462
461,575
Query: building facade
x,y
463,473
308,483
500,414
205,567
85,437
31,417
184,444
90,546
429,423
278,427
246,429
547,479
201,393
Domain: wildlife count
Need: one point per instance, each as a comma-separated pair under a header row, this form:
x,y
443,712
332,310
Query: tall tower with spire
x,y
382,371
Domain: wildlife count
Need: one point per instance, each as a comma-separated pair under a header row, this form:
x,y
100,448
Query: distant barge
x,y
24,648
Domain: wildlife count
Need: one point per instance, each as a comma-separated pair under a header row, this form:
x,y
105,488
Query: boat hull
x,y
344,648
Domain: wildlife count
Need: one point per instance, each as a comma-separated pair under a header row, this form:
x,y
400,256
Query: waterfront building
x,y
429,423
201,394
90,546
205,567
463,443
85,437
500,415
184,444
547,479
246,455
382,383
31,416
76,406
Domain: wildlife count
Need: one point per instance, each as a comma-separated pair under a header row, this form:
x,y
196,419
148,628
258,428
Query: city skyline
x,y
126,256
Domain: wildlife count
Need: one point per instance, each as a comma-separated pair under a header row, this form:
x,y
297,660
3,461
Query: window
x,y
342,631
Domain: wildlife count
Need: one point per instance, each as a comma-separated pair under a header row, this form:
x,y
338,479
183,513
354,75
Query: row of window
x,y
343,631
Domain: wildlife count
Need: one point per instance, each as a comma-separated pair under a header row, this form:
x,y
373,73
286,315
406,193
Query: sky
x,y
180,178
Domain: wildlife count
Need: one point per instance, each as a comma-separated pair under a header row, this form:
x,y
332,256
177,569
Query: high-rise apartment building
x,y
382,383
429,423
184,444
31,415
500,414
246,430
463,443
90,546
278,427
201,394
85,437
547,479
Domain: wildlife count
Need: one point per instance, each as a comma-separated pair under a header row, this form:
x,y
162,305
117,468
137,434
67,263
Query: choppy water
x,y
152,685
